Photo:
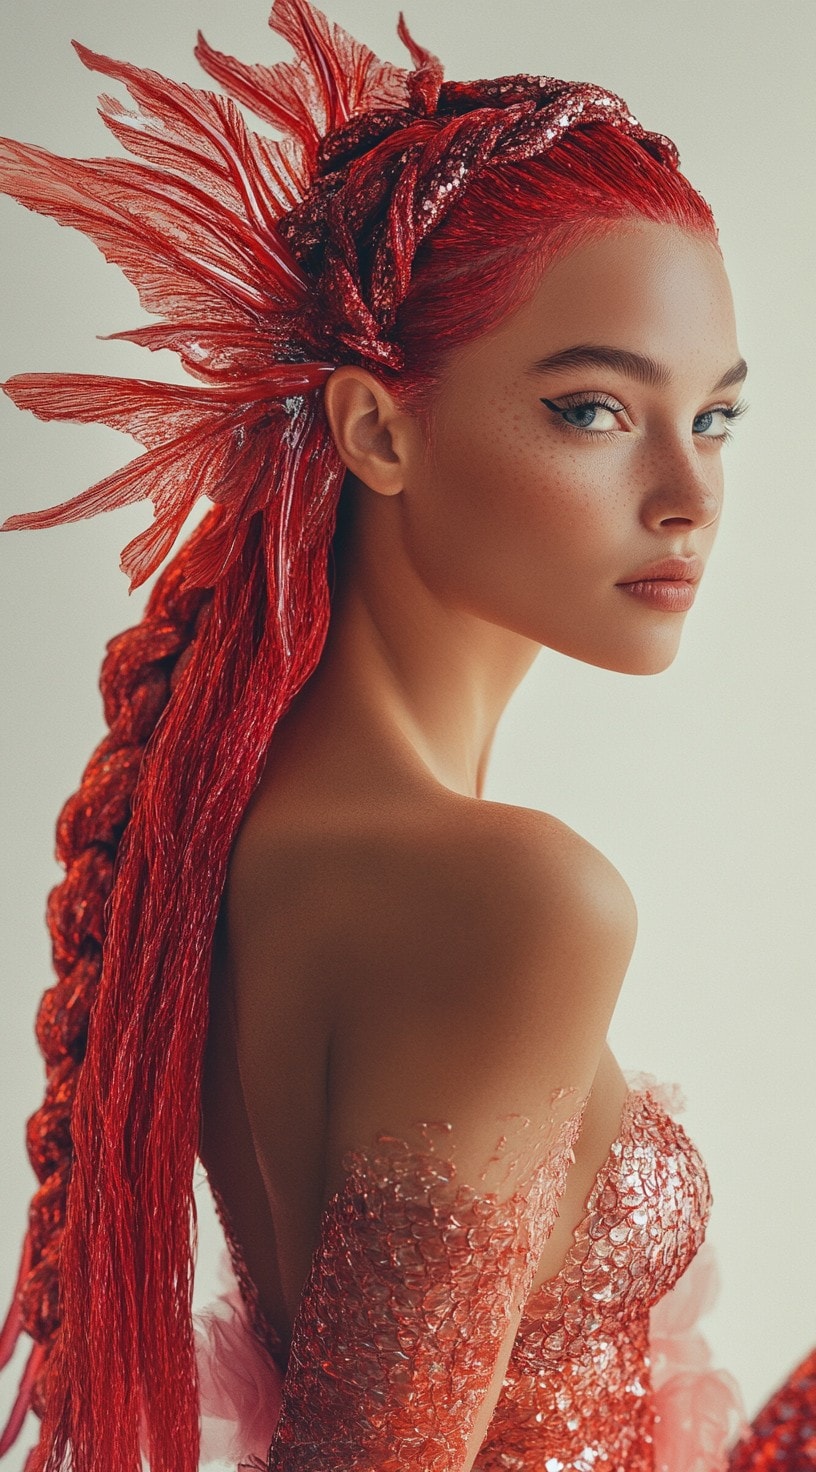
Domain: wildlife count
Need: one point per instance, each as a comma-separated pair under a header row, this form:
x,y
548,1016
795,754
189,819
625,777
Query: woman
x,y
466,357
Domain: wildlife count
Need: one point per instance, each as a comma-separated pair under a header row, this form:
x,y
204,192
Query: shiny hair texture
x,y
400,217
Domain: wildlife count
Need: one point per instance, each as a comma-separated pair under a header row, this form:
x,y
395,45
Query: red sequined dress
x,y
608,1371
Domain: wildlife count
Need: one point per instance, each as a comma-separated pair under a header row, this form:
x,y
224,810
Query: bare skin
x,y
509,532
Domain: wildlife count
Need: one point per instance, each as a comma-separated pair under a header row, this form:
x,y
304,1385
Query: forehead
x,y
650,288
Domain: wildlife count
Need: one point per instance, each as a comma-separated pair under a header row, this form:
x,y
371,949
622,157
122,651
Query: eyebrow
x,y
635,365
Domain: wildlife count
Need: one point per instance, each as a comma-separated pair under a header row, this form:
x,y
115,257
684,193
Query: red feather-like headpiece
x,y
268,262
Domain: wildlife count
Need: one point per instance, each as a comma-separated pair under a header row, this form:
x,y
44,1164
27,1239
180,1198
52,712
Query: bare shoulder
x,y
444,891
542,872
487,886
485,978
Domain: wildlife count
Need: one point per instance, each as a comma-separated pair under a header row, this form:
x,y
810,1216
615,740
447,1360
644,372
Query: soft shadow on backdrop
x,y
697,783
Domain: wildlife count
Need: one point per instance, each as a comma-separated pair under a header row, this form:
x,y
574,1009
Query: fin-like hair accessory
x,y
268,262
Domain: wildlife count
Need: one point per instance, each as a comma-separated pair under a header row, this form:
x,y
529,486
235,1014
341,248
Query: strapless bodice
x,y
578,1381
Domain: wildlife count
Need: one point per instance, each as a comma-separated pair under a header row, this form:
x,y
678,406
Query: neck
x,y
406,687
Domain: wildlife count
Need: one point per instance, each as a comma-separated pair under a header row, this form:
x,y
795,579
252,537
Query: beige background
x,y
697,783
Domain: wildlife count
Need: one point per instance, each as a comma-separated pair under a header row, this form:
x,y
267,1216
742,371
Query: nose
x,y
685,487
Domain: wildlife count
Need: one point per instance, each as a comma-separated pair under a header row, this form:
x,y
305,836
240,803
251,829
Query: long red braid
x,y
400,217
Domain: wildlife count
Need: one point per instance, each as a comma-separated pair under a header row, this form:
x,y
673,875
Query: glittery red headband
x,y
269,262
428,152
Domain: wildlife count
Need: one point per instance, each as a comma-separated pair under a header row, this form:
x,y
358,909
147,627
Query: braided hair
x,y
398,217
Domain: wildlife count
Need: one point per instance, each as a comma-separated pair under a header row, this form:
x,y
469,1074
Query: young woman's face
x,y
547,489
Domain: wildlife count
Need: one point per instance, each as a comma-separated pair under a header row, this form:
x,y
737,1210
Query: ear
x,y
372,434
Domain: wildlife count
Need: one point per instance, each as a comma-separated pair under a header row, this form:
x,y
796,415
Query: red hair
x,y
233,627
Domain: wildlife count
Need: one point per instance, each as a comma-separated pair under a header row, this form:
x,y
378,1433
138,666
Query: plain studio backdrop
x,y
697,783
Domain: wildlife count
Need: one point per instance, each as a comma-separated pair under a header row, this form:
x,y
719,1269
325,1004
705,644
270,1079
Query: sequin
x,y
409,1293
607,1371
782,1437
411,1290
409,1297
578,1381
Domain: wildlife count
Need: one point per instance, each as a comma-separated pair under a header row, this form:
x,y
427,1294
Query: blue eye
x,y
730,411
582,410
584,407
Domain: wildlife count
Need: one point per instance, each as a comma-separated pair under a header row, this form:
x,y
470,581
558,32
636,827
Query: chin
x,y
644,660
652,667
647,661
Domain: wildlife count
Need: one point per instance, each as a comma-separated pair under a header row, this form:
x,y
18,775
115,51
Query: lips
x,y
668,569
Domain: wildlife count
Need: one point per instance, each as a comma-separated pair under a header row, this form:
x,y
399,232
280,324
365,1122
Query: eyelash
x,y
599,401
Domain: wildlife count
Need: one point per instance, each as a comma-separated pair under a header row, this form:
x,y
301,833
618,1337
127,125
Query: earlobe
x,y
364,421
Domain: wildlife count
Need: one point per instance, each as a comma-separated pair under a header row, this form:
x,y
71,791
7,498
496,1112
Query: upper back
x,y
379,958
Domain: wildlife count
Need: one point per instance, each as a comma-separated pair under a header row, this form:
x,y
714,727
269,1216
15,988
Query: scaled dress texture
x,y
608,1371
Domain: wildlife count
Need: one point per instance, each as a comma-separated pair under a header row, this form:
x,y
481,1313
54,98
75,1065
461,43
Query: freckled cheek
x,y
496,463
516,488
522,486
